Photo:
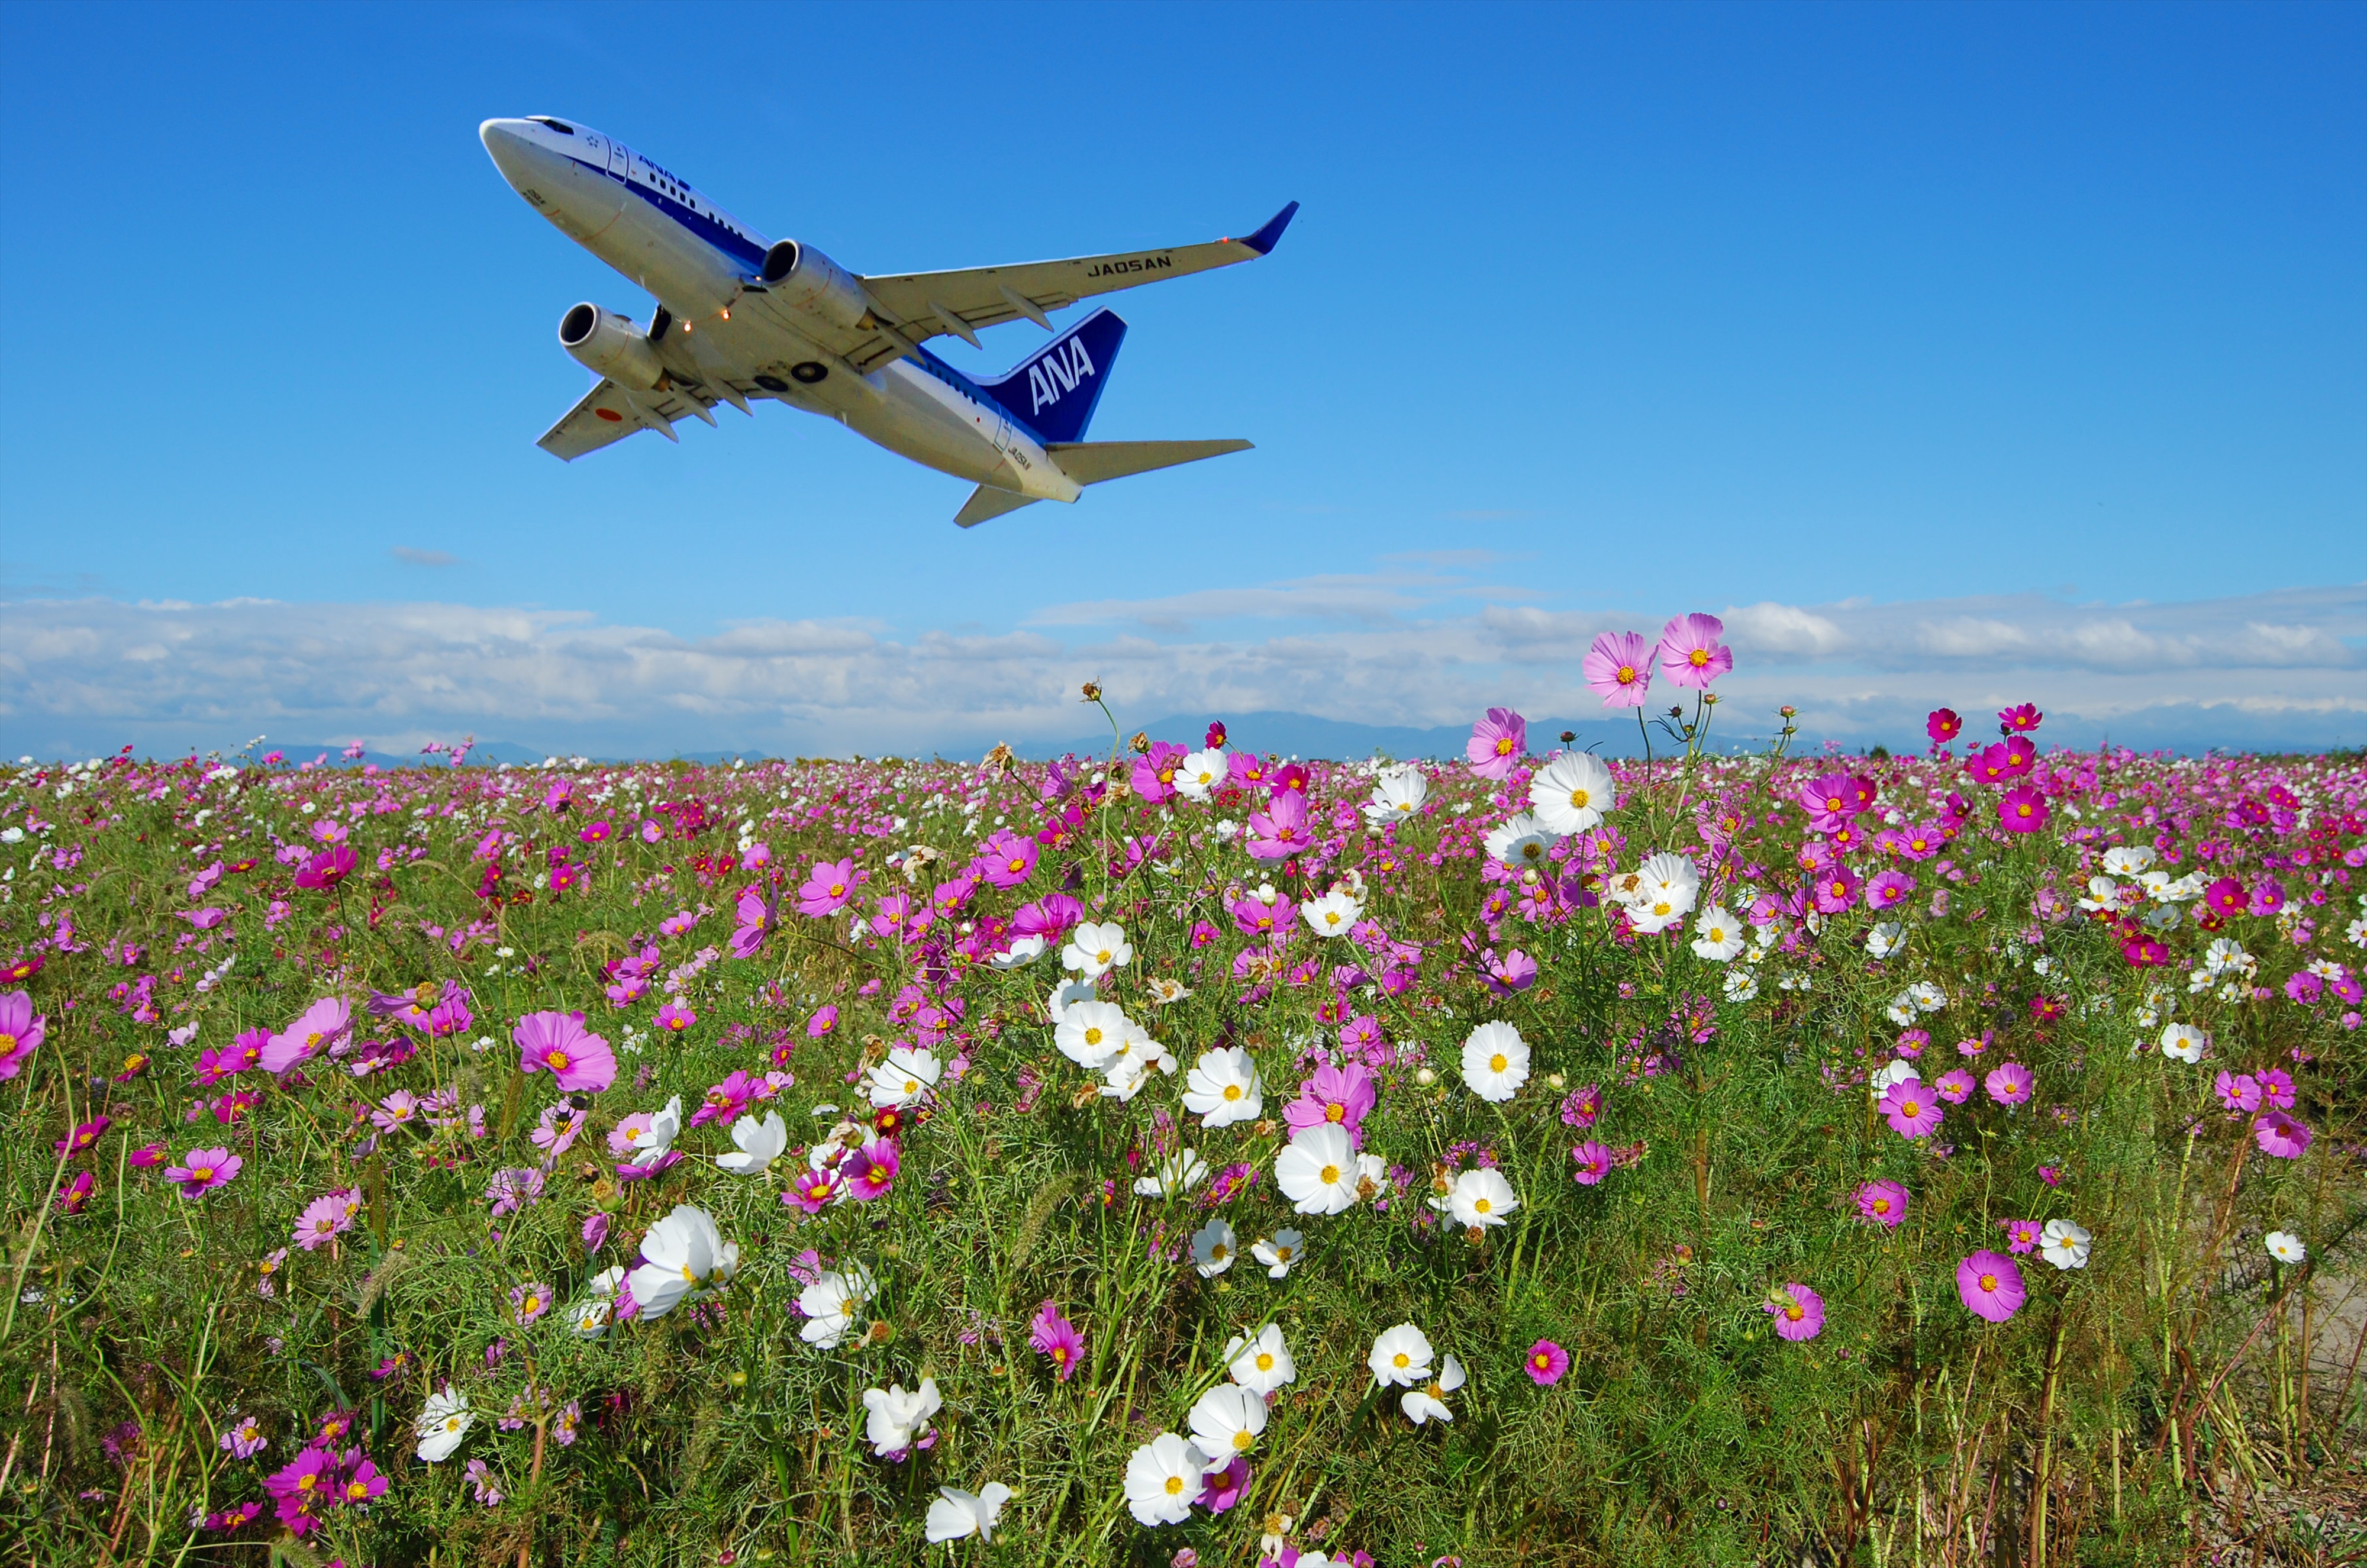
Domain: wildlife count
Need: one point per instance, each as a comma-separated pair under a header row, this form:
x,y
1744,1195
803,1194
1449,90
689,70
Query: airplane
x,y
739,316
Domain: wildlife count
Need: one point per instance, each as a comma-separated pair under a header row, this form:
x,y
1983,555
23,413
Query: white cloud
x,y
78,674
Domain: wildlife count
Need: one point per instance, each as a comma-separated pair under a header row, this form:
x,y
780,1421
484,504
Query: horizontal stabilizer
x,y
987,501
1091,462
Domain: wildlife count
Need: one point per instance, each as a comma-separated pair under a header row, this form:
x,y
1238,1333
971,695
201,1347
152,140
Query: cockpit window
x,y
560,125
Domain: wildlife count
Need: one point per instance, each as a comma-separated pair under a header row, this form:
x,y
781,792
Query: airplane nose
x,y
509,143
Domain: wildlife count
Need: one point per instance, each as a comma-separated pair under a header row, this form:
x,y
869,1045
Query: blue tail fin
x,y
1053,392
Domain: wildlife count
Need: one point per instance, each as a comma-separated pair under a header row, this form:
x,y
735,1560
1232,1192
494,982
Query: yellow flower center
x,y
1174,1485
1794,1313
1103,956
1698,657
1498,1063
1093,1036
1232,1092
1504,746
1482,1205
1264,1361
1403,1361
312,1039
837,889
1578,797
1335,1113
1626,674
1882,1205
1243,1440
1331,1175
202,1172
556,1061
1910,1108
1989,1282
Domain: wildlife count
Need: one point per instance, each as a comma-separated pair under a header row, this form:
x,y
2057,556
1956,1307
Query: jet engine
x,y
611,345
803,279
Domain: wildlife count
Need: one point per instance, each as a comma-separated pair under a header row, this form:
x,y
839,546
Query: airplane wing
x,y
925,304
608,412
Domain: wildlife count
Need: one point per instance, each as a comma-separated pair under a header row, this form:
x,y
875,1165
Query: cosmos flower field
x,y
1185,1156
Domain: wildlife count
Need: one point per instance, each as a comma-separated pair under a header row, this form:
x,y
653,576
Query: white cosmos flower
x,y
760,1143
2128,860
1397,796
1317,1170
653,1141
1162,1477
1213,1247
832,1302
1495,1062
2184,1042
2286,1248
1401,1356
1482,1197
1878,1083
1260,1363
1570,794
1334,914
1201,774
1671,885
898,1418
1718,936
1089,1033
1429,1402
1023,950
1278,1252
1901,1011
1095,949
1742,985
685,1258
590,1317
1222,1088
1226,1422
1927,997
443,1422
956,1515
1066,995
908,1074
1887,938
1520,841
2064,1243
1173,1176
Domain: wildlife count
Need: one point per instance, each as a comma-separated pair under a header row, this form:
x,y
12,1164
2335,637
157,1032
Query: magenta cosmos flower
x,y
1990,1285
557,1043
871,1170
2009,1083
328,868
21,1032
1497,743
1955,1086
828,889
529,1302
1342,1097
1798,1312
1007,859
1546,1363
1913,1111
2019,721
316,1029
1883,1202
1619,667
1942,726
2021,1236
813,1190
1594,1162
2021,809
2281,1135
202,1171
327,1217
1691,654
1055,1336
1888,889
2226,896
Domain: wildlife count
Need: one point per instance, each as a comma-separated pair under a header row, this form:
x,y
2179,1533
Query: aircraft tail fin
x,y
1053,391
987,501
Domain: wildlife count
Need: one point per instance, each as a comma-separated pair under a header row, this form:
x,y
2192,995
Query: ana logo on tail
x,y
1058,372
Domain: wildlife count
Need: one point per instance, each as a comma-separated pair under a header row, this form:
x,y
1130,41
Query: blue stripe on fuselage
x,y
963,384
737,246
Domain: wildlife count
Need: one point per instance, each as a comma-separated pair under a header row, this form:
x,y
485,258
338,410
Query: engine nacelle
x,y
803,279
610,345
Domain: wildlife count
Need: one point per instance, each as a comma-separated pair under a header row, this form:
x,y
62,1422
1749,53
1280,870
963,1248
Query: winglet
x,y
1265,239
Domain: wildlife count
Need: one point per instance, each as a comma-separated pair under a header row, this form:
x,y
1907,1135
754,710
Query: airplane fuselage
x,y
723,326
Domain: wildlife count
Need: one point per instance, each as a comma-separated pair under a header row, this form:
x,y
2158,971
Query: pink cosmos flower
x,y
558,1042
202,1171
1221,1489
1619,667
1689,653
2276,1087
1497,743
328,868
316,1029
1887,889
2009,1083
758,914
596,1233
74,1194
529,1302
323,1218
1798,1312
1913,1111
1007,859
1153,776
21,1032
1342,1097
148,1157
1942,726
1594,1162
2281,1135
359,1479
2224,897
871,1170
80,1140
674,1019
829,888
1582,1106
1955,1086
1836,888
1054,1335
824,1019
1990,1285
813,1190
1280,831
243,1438
1546,1363
2019,721
2238,1091
1883,1202
306,1489
2021,1236
2022,810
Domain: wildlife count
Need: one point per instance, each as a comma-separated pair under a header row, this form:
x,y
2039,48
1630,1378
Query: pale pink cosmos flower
x,y
2009,1083
2281,1135
1497,743
202,1171
1691,654
1883,1202
557,1043
1798,1312
316,1029
1619,667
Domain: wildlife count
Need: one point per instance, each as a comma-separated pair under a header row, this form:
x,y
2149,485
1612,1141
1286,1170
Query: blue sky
x,y
2042,320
